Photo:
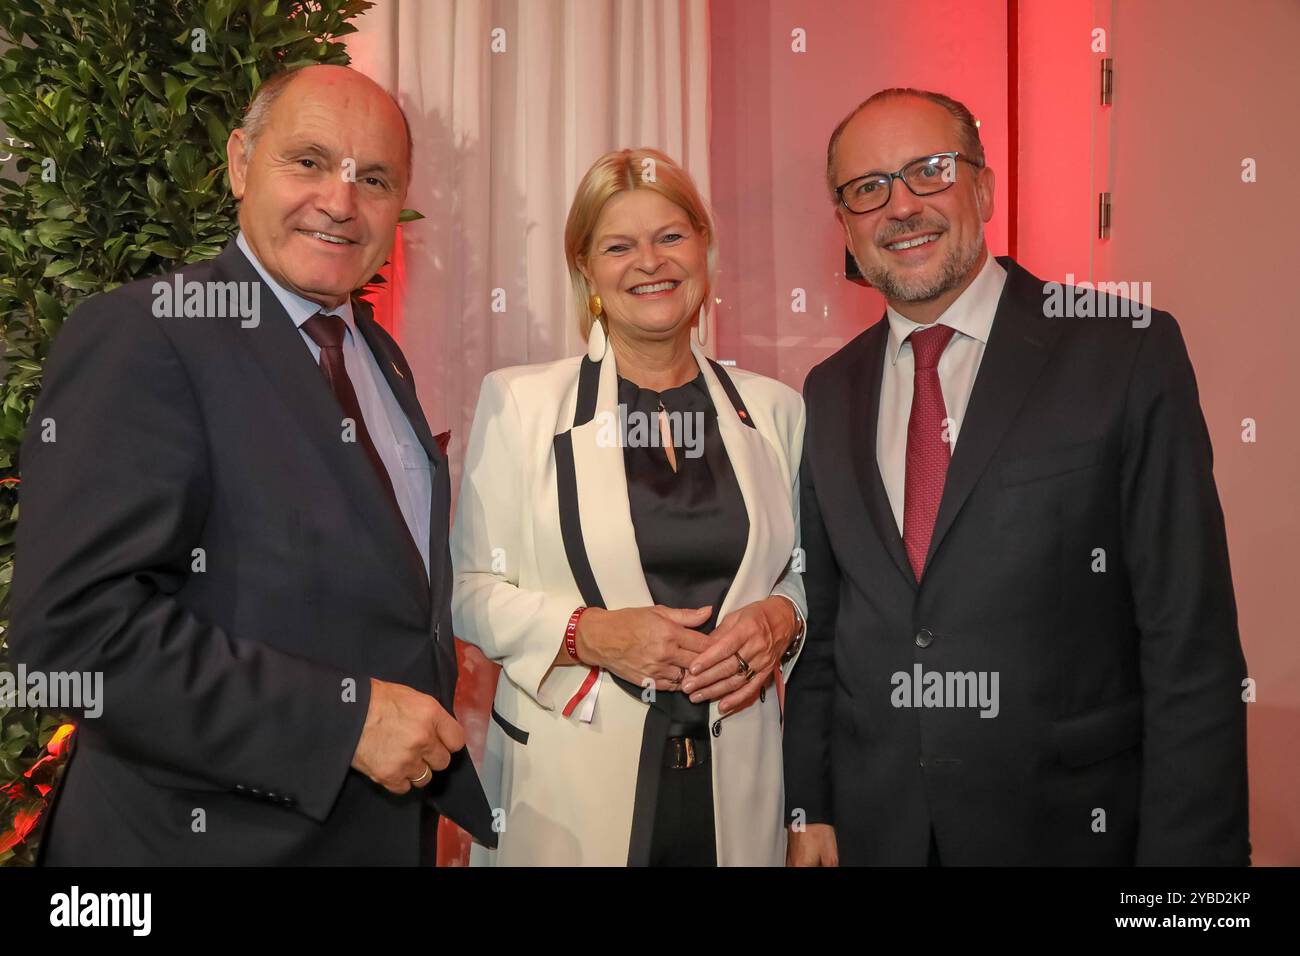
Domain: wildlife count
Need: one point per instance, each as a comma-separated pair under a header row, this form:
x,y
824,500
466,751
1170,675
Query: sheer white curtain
x,y
510,101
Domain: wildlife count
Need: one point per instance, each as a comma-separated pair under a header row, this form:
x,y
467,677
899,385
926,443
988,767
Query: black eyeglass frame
x,y
952,155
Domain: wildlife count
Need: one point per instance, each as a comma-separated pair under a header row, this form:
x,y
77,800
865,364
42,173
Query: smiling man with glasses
x,y
924,176
991,493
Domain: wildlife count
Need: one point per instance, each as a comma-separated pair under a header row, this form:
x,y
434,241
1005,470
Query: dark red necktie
x,y
327,332
927,450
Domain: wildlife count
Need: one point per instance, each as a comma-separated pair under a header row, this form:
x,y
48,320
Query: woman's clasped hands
x,y
657,645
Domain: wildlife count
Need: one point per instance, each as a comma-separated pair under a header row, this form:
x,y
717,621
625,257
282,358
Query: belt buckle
x,y
683,753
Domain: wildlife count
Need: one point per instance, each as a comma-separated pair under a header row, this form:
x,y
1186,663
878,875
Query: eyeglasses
x,y
924,177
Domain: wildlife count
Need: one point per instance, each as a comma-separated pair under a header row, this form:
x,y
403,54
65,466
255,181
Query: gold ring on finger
x,y
742,665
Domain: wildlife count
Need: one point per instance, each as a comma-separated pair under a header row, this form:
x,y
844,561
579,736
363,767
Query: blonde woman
x,y
623,548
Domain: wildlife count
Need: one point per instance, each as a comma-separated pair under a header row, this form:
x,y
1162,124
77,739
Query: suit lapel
x,y
278,348
864,417
604,539
403,388
596,518
1020,342
761,479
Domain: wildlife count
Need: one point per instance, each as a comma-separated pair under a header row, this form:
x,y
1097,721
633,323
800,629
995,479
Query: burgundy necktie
x,y
927,449
327,332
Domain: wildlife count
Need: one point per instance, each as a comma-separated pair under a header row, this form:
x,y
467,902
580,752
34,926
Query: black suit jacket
x,y
236,677
1121,732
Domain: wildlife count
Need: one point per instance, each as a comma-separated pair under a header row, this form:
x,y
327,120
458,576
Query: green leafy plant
x,y
120,111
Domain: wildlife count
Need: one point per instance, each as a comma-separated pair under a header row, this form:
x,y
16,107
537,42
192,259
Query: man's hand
x,y
815,846
407,736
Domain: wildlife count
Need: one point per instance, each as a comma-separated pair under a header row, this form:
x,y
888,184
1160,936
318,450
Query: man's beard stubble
x,y
957,263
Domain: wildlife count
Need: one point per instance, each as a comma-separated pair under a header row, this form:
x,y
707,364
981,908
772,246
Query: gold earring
x,y
595,306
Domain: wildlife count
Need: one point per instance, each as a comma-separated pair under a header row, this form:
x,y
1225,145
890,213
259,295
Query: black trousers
x,y
683,832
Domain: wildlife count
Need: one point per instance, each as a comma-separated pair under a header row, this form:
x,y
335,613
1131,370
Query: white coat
x,y
564,788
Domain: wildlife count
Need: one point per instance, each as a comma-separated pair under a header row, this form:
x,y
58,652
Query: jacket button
x,y
717,727
240,788
924,637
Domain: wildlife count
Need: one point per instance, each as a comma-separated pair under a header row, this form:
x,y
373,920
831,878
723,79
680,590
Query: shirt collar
x,y
971,313
299,309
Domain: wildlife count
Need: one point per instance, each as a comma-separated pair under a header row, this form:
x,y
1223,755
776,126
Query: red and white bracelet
x,y
571,634
586,694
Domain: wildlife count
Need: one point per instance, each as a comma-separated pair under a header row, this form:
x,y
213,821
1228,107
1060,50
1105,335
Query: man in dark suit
x,y
234,509
1022,643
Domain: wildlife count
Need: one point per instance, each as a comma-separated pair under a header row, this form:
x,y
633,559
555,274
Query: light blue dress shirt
x,y
400,450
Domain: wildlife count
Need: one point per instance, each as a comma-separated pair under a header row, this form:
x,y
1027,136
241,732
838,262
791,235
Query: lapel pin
x,y
398,371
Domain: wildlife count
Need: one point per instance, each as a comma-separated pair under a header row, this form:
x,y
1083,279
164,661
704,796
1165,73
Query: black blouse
x,y
691,525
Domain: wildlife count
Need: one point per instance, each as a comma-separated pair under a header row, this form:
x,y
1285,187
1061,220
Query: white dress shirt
x,y
399,448
971,314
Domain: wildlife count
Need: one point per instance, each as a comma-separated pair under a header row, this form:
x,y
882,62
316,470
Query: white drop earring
x,y
701,326
596,339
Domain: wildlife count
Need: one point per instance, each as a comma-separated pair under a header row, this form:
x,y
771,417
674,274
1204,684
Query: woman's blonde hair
x,y
620,171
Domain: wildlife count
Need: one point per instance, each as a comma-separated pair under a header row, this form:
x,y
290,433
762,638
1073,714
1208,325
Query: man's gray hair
x,y
968,131
272,89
